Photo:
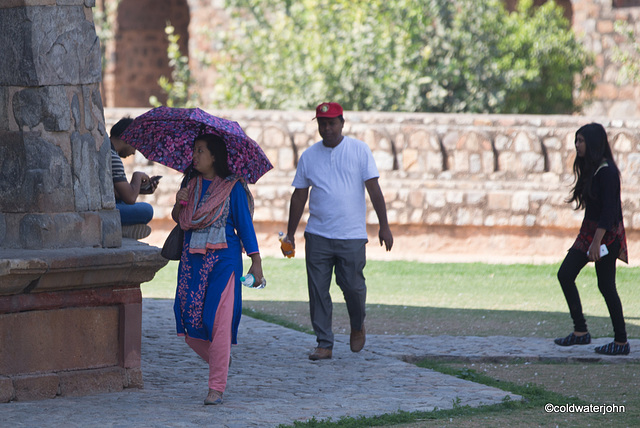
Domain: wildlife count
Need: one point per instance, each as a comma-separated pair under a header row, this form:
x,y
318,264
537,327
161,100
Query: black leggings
x,y
606,273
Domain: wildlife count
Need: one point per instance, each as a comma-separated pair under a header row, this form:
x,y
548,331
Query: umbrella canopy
x,y
166,135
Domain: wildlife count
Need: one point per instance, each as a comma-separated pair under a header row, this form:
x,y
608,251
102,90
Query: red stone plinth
x,y
70,320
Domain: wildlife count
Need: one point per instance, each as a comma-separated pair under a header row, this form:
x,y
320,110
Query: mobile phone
x,y
603,250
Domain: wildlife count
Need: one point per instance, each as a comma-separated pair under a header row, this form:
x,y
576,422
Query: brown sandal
x,y
214,397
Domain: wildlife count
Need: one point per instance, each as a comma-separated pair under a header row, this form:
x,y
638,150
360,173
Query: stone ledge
x,y
32,271
71,383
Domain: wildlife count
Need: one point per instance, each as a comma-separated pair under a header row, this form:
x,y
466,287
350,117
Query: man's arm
x,y
377,199
128,192
296,208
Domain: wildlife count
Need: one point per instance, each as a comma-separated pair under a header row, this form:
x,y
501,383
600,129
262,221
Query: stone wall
x,y
461,175
593,23
140,51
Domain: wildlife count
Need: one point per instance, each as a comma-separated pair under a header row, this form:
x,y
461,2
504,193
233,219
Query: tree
x,y
626,53
179,88
399,55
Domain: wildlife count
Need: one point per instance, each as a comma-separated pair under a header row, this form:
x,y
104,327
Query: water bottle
x,y
250,281
286,246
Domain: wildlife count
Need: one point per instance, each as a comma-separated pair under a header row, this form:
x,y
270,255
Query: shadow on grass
x,y
432,321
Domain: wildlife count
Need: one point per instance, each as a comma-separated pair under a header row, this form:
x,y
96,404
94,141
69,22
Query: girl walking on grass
x,y
597,190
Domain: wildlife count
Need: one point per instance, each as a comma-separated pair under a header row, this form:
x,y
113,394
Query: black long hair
x,y
584,168
218,148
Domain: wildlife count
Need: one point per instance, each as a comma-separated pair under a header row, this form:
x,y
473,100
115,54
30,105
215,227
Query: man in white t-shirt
x,y
338,169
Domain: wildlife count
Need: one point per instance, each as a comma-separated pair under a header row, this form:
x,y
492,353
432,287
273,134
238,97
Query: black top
x,y
605,207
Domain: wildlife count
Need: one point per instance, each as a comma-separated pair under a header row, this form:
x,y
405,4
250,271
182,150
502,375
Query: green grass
x,y
444,298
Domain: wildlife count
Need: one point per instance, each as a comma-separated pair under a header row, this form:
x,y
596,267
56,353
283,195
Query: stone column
x,y
55,186
70,300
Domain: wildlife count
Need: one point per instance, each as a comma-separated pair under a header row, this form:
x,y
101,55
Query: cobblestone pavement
x,y
272,382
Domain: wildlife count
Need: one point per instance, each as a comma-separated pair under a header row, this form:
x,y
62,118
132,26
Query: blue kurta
x,y
203,277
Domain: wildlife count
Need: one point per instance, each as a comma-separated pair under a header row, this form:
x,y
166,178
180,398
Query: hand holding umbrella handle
x,y
182,197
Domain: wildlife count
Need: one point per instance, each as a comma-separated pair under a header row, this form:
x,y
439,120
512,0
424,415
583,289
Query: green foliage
x,y
104,17
400,55
545,60
627,57
178,88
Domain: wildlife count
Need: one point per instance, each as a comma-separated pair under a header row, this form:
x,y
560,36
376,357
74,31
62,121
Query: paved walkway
x,y
272,382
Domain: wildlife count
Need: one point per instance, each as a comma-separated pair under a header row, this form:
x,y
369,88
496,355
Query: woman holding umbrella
x,y
214,208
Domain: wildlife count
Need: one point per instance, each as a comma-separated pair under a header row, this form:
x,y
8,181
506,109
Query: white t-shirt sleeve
x,y
301,181
369,168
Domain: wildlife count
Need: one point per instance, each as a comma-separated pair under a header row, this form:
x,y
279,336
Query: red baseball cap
x,y
328,110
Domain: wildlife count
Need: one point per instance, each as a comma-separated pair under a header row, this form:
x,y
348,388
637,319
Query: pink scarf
x,y
206,216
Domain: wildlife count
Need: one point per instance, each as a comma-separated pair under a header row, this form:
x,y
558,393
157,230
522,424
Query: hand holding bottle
x,y
287,247
250,281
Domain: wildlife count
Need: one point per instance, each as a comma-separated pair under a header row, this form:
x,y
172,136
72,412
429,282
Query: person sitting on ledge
x,y
134,216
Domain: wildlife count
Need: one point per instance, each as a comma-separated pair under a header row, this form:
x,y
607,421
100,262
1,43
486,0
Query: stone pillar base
x,y
70,319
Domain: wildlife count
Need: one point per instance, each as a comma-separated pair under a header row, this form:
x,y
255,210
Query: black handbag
x,y
172,248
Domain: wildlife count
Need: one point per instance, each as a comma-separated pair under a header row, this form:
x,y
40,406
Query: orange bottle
x,y
286,246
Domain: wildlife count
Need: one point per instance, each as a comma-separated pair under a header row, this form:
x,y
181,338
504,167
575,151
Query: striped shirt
x,y
117,168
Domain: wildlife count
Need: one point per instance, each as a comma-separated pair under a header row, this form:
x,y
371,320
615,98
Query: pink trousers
x,y
217,351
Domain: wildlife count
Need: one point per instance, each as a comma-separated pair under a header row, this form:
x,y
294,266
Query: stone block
x,y
36,387
134,378
416,216
104,173
623,143
475,163
130,333
90,107
85,382
275,136
21,3
111,228
7,392
27,107
499,201
48,46
436,199
70,2
409,160
455,197
285,159
57,340
86,173
58,230
530,220
34,174
3,229
75,112
384,160
520,201
416,198
476,197
4,109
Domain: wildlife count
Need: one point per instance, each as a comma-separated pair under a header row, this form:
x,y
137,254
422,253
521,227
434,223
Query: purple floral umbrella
x,y
166,135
